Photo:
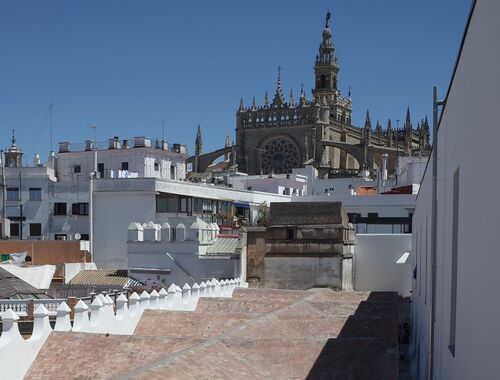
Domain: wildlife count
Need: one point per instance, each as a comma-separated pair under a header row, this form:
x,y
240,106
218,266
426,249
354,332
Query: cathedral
x,y
285,133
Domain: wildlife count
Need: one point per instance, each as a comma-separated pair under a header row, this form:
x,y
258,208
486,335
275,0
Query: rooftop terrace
x,y
279,334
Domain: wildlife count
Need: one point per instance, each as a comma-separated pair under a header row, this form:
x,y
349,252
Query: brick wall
x,y
46,251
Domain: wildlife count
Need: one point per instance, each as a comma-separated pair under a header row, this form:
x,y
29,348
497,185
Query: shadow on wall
x,y
367,345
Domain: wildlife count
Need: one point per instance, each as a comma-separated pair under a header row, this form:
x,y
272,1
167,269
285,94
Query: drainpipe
x,y
435,116
93,174
4,188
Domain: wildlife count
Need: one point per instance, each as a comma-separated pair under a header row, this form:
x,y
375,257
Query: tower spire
x,y
368,122
326,67
292,99
408,119
278,96
408,130
198,143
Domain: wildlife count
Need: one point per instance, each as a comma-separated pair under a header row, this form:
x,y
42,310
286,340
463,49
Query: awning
x,y
241,204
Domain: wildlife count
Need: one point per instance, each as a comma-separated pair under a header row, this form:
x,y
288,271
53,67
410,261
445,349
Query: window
x,y
156,166
173,234
80,208
12,194
84,237
77,169
186,205
289,234
372,215
172,172
100,169
35,229
60,208
125,165
14,229
167,203
454,263
60,236
353,216
35,194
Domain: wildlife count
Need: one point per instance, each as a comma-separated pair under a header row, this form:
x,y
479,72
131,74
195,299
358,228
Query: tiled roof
x,y
104,277
256,334
223,246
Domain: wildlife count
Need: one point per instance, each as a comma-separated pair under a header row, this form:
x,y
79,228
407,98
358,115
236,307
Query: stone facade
x,y
280,135
302,248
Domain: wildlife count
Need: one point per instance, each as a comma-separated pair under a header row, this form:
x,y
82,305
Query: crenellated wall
x,y
105,317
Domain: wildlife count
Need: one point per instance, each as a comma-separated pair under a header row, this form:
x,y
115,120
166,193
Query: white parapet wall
x,y
382,262
105,317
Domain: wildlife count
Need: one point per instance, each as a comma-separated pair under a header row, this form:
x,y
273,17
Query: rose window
x,y
278,155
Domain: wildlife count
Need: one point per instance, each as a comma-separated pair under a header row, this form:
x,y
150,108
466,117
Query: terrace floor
x,y
258,333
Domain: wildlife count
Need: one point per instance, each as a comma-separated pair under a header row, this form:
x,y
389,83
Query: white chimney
x,y
384,168
36,159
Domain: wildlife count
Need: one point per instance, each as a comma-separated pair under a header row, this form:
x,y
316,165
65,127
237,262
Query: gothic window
x,y
279,155
322,82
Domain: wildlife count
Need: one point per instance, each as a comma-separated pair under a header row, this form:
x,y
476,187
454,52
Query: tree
x,y
263,215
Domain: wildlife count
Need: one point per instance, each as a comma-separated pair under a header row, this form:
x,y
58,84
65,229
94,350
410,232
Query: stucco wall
x,y
467,140
375,263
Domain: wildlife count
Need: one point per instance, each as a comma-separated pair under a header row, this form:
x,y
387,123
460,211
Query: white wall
x,y
140,160
468,139
113,212
376,266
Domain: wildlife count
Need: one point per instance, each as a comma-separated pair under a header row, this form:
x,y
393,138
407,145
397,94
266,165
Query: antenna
x,y
94,130
51,108
162,131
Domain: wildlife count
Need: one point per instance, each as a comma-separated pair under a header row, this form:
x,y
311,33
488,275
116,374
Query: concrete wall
x,y
468,140
301,272
376,266
274,262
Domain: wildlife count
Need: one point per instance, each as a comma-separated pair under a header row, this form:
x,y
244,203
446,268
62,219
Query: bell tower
x,y
326,67
13,155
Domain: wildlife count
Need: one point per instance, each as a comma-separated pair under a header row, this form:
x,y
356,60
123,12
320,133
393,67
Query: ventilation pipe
x,y
384,168
36,159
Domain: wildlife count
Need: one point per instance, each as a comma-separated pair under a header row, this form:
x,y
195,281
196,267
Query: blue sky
x,y
126,65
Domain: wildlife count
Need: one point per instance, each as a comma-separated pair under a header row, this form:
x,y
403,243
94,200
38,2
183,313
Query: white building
x,y
461,342
379,213
119,202
284,184
184,249
51,201
138,157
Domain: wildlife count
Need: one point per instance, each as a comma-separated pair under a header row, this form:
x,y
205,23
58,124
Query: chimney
x,y
36,159
114,143
64,147
89,145
384,168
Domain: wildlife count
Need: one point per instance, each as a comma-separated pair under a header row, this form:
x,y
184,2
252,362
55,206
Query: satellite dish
x,y
78,236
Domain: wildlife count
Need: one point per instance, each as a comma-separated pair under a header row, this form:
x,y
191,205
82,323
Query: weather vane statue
x,y
327,19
